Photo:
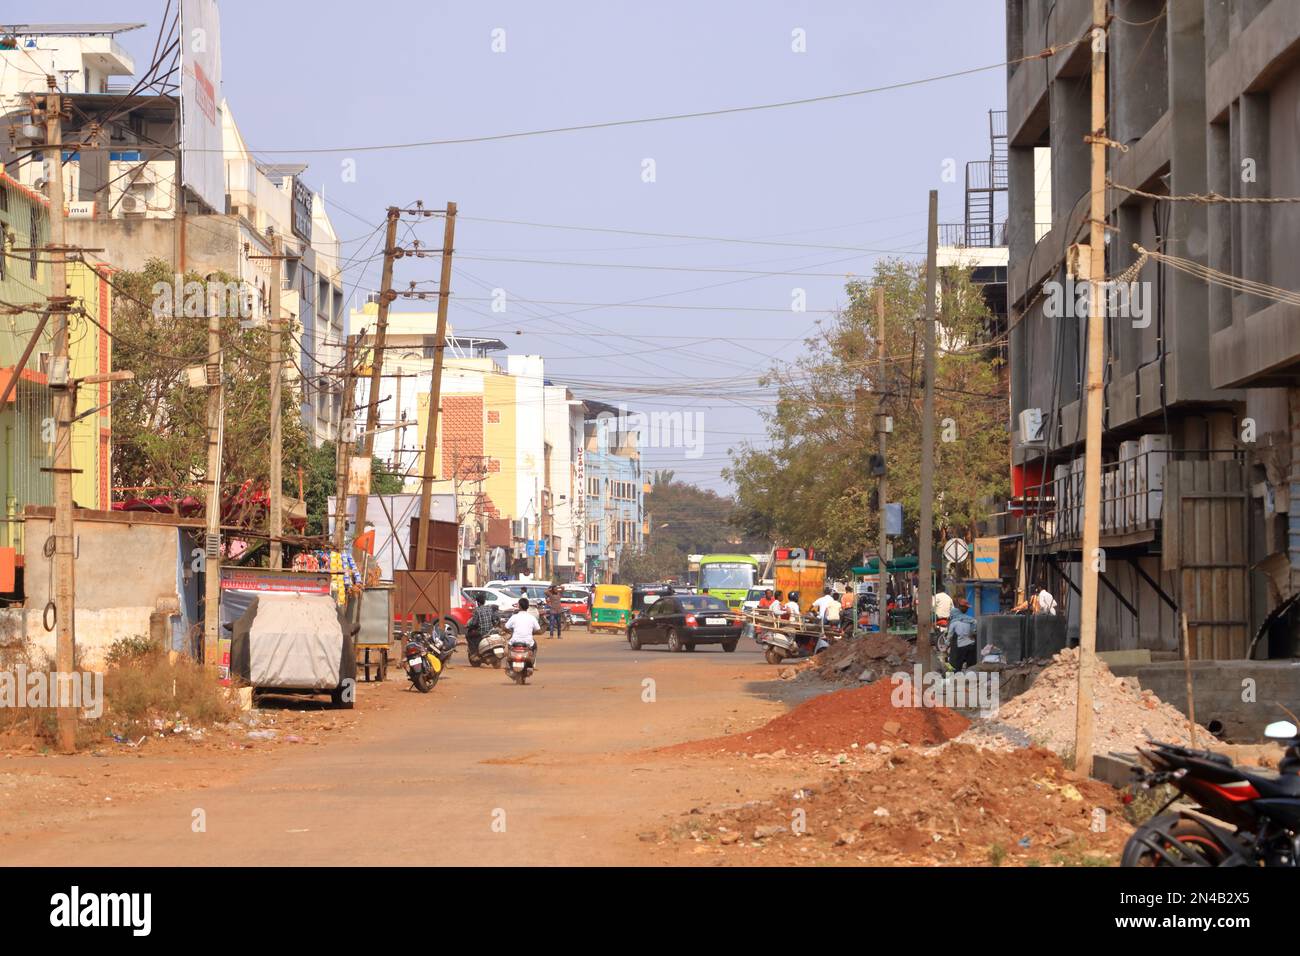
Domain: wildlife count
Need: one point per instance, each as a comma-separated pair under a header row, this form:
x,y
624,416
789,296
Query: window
x,y
593,531
593,487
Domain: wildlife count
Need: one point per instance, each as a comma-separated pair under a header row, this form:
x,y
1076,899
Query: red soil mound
x,y
837,720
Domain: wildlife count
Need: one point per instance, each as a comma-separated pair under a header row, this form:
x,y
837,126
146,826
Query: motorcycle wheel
x,y
1202,848
772,656
422,681
496,662
475,661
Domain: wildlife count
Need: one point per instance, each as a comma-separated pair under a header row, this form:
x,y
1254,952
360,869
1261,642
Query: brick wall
x,y
462,436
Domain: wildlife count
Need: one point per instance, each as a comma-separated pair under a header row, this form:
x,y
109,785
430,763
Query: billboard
x,y
203,166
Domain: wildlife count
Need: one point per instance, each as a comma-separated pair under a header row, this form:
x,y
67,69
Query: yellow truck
x,y
804,575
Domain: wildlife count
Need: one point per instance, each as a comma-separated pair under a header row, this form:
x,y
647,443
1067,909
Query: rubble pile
x,y
957,805
1124,714
861,659
839,720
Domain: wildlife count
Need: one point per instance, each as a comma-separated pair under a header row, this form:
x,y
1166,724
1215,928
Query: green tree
x,y
160,422
812,487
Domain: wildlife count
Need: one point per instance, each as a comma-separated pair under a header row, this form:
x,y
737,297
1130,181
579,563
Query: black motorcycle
x,y
426,655
1242,816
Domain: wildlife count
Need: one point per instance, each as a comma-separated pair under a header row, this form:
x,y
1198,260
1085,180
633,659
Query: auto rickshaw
x,y
611,607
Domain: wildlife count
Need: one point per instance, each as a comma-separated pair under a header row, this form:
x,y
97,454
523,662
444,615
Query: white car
x,y
502,600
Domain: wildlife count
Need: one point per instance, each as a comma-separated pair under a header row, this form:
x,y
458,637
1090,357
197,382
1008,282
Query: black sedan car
x,y
683,621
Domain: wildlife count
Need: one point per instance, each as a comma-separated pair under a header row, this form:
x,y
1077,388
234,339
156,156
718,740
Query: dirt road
x,y
479,771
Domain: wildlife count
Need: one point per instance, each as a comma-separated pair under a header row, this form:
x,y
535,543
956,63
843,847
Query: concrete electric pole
x,y
276,480
882,482
925,555
343,454
1096,360
386,296
64,388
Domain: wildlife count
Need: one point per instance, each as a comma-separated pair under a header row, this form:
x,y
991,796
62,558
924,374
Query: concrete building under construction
x,y
1200,490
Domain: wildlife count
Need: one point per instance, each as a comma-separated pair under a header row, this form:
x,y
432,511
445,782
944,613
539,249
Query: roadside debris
x,y
1125,715
955,805
833,722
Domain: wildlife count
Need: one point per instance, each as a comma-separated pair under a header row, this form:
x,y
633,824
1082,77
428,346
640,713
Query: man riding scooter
x,y
484,619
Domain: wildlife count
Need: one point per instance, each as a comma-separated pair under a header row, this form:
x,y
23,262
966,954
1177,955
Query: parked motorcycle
x,y
1239,816
423,666
491,649
522,659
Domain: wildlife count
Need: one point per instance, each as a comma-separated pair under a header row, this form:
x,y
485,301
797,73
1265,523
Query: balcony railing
x,y
1132,495
976,235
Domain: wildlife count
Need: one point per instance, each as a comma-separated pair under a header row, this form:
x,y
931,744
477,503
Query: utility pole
x,y
926,545
64,399
276,479
435,387
212,542
386,295
882,482
343,454
1096,360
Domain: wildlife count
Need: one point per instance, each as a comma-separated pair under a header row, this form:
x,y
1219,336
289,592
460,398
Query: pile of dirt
x,y
837,721
864,658
957,805
1125,716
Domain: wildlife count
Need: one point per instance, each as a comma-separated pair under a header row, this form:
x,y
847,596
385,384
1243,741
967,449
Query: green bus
x,y
728,577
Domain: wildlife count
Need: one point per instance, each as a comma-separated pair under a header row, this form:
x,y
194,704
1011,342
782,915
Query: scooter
x,y
779,646
522,659
1241,816
491,649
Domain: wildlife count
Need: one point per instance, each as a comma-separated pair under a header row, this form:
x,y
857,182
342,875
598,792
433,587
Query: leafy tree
x,y
160,422
812,486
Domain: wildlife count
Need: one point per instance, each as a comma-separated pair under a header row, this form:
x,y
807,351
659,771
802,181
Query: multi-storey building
x,y
123,198
1201,477
614,506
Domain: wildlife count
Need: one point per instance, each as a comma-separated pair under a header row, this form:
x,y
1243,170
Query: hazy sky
x,y
849,172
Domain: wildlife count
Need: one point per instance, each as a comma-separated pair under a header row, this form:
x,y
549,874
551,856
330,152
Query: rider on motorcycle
x,y
481,622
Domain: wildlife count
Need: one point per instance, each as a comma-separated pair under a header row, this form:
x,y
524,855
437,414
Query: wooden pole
x,y
386,295
1187,666
64,404
925,557
1096,362
435,387
882,483
276,479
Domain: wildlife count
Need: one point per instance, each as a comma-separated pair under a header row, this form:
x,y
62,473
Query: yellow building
x,y
26,420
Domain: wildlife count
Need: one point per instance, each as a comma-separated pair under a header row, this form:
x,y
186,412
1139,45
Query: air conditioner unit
x,y
132,204
1033,426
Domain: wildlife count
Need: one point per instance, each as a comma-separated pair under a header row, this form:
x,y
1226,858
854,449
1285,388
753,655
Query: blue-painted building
x,y
614,503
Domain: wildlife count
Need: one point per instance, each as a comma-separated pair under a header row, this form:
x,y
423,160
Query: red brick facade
x,y
462,437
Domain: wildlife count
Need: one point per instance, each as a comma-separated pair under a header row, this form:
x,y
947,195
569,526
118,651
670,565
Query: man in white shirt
x,y
942,605
823,604
522,625
1046,603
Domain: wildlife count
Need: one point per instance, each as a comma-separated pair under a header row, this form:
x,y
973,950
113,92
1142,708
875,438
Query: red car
x,y
456,621
575,602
